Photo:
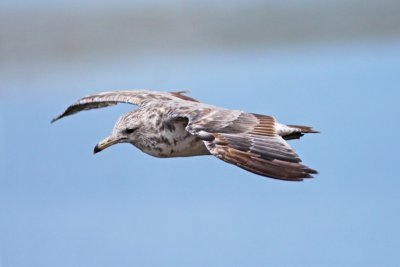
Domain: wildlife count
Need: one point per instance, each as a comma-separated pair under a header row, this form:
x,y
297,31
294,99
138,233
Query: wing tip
x,y
297,173
56,119
182,95
308,173
64,114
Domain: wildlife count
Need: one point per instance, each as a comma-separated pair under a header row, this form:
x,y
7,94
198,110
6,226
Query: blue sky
x,y
62,206
43,4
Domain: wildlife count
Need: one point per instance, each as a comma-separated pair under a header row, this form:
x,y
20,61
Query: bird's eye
x,y
130,130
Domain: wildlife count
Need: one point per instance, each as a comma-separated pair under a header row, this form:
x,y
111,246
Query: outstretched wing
x,y
249,141
135,97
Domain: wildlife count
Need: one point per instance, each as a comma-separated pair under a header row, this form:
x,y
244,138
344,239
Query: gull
x,y
172,124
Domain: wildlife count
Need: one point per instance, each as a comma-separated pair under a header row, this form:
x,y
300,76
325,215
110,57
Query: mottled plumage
x,y
175,125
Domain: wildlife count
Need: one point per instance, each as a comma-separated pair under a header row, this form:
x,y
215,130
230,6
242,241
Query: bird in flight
x,y
172,124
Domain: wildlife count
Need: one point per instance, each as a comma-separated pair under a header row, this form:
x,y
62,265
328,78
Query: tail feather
x,y
304,129
290,132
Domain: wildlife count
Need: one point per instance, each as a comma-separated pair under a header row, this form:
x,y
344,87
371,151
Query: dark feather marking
x,y
170,126
183,97
261,155
165,140
293,136
266,150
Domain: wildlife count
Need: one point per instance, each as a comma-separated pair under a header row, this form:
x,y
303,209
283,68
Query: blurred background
x,y
331,64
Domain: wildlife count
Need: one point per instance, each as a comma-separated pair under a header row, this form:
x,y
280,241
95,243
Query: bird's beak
x,y
107,142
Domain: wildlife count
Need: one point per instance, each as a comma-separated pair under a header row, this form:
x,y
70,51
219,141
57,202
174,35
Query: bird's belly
x,y
188,148
185,147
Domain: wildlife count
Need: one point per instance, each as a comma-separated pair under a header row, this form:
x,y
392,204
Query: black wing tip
x,y
66,113
311,171
55,119
58,118
306,174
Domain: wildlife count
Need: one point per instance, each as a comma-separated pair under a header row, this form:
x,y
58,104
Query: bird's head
x,y
125,131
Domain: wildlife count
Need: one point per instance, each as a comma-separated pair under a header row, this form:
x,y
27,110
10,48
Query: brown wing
x,y
136,97
261,155
248,141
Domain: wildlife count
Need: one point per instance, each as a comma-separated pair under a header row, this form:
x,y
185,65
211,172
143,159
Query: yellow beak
x,y
107,142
